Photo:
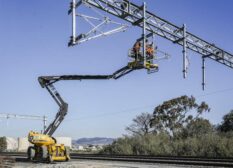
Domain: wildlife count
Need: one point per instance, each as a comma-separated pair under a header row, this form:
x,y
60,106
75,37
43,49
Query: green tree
x,y
198,127
3,144
227,124
140,125
172,115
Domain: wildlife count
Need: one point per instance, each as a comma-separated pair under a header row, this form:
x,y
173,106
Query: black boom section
x,y
48,81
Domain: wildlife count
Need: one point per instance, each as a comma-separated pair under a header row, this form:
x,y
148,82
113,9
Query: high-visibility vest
x,y
149,50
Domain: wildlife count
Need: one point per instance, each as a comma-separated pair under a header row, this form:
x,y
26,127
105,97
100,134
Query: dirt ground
x,y
96,164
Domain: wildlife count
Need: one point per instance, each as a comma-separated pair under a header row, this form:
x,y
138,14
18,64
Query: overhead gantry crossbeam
x,y
133,13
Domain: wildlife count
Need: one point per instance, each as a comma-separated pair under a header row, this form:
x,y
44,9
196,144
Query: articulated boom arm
x,y
63,106
121,72
48,81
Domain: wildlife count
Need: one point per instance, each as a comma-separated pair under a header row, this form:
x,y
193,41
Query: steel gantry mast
x,y
26,117
153,24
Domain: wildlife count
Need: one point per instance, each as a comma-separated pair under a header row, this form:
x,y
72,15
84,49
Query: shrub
x,y
206,145
3,144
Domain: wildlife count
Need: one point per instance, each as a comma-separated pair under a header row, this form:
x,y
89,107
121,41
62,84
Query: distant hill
x,y
93,141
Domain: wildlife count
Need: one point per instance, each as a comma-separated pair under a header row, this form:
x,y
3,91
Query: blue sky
x,y
33,40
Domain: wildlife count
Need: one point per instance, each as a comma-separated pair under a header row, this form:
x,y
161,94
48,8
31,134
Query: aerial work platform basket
x,y
137,61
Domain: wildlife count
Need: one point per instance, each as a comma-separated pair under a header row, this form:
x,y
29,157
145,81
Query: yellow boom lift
x,y
45,146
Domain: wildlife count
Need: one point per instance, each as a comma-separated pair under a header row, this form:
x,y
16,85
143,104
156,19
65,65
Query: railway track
x,y
198,161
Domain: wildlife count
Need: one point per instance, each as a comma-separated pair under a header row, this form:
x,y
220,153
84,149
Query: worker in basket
x,y
149,51
136,50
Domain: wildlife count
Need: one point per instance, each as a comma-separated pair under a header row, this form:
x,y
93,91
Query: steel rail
x,y
179,160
